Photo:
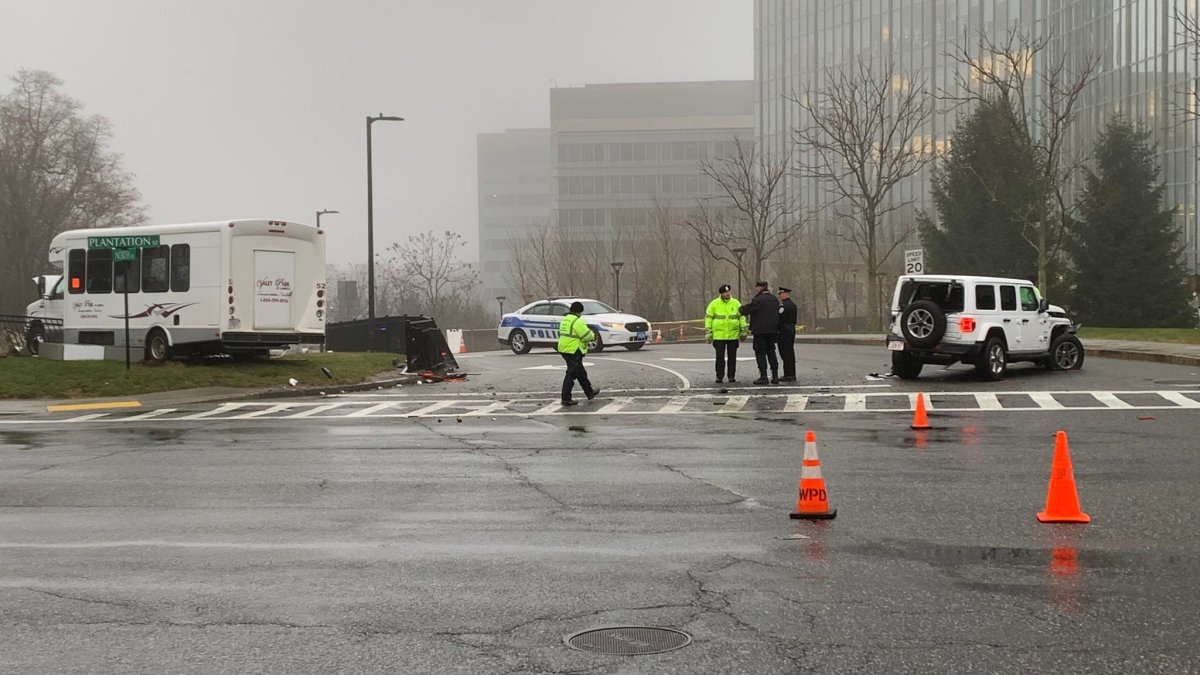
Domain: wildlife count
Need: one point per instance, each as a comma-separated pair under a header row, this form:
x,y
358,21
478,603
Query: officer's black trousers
x,y
787,352
575,372
726,357
764,352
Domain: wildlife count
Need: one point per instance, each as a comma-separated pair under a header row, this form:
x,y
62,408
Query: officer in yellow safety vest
x,y
723,328
573,338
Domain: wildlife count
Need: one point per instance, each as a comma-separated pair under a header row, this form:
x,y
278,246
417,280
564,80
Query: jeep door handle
x,y
1008,321
1024,320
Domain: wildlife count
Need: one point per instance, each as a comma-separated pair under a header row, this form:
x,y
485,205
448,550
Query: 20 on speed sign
x,y
914,261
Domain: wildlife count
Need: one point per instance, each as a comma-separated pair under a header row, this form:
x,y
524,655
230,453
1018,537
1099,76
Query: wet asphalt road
x,y
478,543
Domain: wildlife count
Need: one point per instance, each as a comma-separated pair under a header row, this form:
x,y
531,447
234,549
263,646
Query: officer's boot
x,y
774,377
762,377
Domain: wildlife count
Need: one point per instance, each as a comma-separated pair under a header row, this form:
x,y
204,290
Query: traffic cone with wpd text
x,y
920,420
1062,500
813,502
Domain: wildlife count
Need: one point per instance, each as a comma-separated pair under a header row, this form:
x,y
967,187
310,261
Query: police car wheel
x,y
518,342
634,346
596,346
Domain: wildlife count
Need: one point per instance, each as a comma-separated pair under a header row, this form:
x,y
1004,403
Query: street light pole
x,y
500,299
739,252
321,213
371,229
617,271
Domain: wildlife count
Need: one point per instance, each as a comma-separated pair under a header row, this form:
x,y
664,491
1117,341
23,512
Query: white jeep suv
x,y
985,321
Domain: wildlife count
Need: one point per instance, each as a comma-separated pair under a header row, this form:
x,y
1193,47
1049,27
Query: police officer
x,y
573,338
723,328
787,334
763,310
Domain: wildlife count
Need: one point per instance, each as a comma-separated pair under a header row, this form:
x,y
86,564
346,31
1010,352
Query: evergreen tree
x,y
981,192
1126,248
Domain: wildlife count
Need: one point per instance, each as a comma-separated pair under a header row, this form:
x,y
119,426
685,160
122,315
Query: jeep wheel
x,y
1066,353
905,366
923,323
518,342
993,362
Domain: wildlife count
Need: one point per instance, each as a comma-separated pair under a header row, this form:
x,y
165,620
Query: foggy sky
x,y
256,108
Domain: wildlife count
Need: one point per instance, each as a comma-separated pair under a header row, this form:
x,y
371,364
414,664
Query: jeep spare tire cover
x,y
923,323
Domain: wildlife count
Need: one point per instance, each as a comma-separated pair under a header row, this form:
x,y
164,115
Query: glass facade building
x,y
1146,71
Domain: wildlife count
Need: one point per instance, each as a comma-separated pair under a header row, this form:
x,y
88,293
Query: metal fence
x,y
23,334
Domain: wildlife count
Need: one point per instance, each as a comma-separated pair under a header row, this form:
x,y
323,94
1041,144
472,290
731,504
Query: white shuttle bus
x,y
242,286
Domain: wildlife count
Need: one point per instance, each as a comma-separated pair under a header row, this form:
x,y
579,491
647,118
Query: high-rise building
x,y
516,194
1144,70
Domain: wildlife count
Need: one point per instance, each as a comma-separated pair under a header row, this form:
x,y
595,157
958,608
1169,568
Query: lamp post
x,y
739,252
371,228
500,299
854,291
617,271
321,213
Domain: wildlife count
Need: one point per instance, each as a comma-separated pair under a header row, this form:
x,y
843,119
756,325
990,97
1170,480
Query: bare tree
x,y
1043,90
56,173
864,136
433,270
754,210
531,273
1189,34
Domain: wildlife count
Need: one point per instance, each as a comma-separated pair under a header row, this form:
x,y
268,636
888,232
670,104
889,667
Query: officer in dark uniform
x,y
763,310
787,334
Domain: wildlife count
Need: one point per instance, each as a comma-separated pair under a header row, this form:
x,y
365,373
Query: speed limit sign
x,y
914,261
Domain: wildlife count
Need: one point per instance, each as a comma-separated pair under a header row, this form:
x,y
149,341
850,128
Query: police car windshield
x,y
596,307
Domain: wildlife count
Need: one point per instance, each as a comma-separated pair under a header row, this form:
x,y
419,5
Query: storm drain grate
x,y
629,640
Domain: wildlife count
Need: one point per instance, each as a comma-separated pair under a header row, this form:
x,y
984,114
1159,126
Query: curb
x,y
1127,355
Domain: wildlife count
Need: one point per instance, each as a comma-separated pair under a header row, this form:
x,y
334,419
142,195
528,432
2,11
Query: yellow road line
x,y
93,406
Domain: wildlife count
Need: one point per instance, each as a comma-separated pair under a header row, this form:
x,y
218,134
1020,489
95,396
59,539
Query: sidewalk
x,y
1159,352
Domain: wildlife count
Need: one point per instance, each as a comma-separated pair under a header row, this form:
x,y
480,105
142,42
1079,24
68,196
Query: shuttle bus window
x,y
76,265
181,256
155,276
127,270
99,270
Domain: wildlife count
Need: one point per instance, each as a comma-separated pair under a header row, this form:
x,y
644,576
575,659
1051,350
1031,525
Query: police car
x,y
536,325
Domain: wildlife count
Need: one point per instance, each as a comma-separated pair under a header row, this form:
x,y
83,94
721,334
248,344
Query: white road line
x,y
1045,400
856,402
675,405
494,406
1110,399
795,403
317,409
426,410
686,383
548,408
367,411
223,408
615,406
734,404
85,418
1178,398
148,415
279,407
988,402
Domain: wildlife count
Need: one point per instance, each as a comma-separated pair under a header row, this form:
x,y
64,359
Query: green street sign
x,y
123,242
124,255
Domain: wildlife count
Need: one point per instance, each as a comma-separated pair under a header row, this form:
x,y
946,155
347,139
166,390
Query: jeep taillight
x,y
966,324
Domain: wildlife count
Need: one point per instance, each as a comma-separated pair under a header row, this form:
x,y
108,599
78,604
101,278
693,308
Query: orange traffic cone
x,y
1062,500
462,346
920,420
658,336
813,502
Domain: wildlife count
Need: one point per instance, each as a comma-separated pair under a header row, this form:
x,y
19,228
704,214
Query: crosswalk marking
x,y
795,403
1045,400
1179,399
735,404
1110,399
755,402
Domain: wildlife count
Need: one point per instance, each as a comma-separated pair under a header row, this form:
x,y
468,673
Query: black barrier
x,y
417,337
25,333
